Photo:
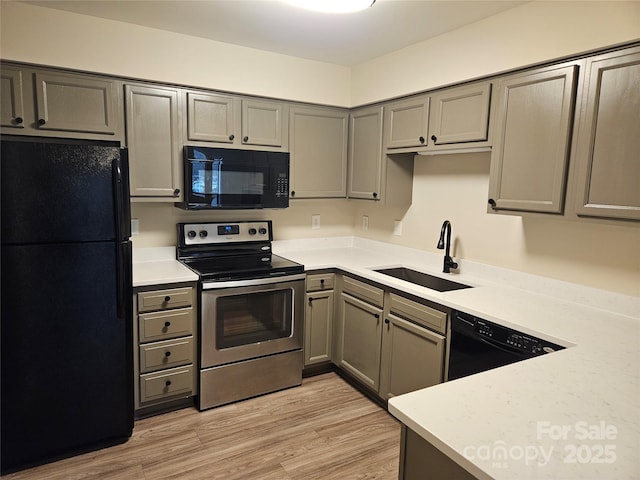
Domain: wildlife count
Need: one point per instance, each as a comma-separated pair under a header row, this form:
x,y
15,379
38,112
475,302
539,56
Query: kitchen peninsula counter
x,y
570,414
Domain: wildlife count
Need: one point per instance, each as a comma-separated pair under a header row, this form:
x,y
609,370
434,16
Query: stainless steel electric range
x,y
250,310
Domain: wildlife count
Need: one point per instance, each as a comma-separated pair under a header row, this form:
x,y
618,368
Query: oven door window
x,y
251,318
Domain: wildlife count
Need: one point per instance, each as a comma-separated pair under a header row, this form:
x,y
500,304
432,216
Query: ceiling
x,y
278,27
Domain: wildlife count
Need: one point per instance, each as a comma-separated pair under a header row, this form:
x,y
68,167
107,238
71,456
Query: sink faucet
x,y
448,261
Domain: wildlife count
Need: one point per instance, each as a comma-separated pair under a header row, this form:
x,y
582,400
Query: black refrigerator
x,y
66,324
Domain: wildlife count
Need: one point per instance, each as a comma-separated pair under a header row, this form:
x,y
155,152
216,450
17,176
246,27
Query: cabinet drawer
x,y
317,282
157,386
163,299
418,313
363,291
163,325
170,353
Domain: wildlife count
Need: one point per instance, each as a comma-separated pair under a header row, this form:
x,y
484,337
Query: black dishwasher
x,y
477,345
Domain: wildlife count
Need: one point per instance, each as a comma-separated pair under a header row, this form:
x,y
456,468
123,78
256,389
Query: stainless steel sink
x,y
422,279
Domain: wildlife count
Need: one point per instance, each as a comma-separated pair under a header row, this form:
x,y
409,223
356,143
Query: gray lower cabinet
x,y
420,460
153,138
233,121
608,140
412,353
60,104
531,140
390,343
318,140
318,324
164,346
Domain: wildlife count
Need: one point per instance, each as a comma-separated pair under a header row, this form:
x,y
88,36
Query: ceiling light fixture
x,y
333,6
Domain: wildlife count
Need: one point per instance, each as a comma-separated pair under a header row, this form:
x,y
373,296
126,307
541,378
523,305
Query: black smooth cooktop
x,y
243,267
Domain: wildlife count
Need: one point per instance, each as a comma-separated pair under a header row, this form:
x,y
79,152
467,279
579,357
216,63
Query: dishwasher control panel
x,y
503,336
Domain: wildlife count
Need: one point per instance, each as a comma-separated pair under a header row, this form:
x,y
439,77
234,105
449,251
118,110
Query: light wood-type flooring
x,y
323,430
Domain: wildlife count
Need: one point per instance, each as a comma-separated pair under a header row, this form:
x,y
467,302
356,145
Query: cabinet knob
x,y
434,138
167,298
245,139
176,192
310,300
19,120
492,202
167,354
167,324
293,193
421,139
386,320
231,137
167,383
322,281
41,121
376,316
375,194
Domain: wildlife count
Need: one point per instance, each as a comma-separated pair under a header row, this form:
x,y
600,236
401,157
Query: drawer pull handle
x,y
167,383
167,354
167,324
167,298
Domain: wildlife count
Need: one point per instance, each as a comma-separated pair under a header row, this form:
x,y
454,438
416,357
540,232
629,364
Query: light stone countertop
x,y
158,266
568,415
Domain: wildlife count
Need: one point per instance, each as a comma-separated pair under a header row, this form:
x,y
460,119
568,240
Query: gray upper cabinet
x,y
460,115
531,141
318,141
608,139
236,122
262,123
406,123
11,99
365,153
59,104
153,138
211,118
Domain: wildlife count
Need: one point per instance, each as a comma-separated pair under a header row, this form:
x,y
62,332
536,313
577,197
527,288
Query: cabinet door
x,y
318,326
211,118
360,339
608,147
532,138
153,141
406,123
318,141
459,115
76,103
365,153
11,98
262,123
412,357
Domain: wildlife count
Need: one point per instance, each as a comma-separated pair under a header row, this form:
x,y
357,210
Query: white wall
x,y
52,37
532,33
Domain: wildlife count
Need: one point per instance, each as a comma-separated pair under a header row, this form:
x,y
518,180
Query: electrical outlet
x,y
315,221
397,227
135,226
365,222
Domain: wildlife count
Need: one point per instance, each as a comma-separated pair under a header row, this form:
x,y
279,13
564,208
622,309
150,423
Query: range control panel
x,y
224,232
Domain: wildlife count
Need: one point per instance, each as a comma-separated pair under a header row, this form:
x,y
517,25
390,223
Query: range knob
x,y
203,234
252,231
191,234
263,231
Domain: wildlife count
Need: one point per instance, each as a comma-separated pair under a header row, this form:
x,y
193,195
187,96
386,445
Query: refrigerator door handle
x,y
124,280
121,195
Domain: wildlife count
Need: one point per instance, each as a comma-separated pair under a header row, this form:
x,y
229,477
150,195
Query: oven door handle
x,y
252,282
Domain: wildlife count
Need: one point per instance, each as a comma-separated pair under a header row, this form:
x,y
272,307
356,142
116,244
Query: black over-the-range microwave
x,y
221,178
